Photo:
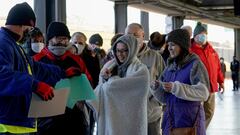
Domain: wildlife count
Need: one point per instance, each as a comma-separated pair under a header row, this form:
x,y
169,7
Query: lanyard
x,y
26,60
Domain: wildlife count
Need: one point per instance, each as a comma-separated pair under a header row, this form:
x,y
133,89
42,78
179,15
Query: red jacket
x,y
210,59
65,61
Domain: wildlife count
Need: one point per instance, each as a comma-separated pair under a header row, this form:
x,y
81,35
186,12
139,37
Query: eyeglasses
x,y
122,51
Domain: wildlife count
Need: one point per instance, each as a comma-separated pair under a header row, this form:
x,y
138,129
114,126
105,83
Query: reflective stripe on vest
x,y
17,129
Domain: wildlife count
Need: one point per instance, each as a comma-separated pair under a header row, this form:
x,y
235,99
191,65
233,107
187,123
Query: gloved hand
x,y
44,91
72,71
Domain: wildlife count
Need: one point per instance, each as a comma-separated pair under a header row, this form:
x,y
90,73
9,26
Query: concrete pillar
x,y
145,24
120,11
40,12
177,22
49,10
60,11
237,43
173,22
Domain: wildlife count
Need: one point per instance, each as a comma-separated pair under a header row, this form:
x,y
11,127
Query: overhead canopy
x,y
218,12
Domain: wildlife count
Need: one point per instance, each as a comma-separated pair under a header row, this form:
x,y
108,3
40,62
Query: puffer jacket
x,y
211,60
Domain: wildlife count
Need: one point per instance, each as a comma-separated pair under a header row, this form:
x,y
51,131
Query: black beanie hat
x,y
180,37
21,14
57,29
199,28
96,39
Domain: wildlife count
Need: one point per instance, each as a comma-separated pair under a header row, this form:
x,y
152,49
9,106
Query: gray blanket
x,y
121,104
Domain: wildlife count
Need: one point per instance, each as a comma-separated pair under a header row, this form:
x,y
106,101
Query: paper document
x,y
56,106
80,89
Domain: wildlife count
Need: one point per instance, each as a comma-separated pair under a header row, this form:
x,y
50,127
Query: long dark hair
x,y
179,59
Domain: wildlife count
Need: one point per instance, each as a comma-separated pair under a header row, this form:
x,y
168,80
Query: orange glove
x,y
44,91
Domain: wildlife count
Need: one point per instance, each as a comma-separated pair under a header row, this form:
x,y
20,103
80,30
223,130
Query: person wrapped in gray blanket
x,y
122,92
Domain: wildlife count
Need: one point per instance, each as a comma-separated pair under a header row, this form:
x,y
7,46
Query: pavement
x,y
226,120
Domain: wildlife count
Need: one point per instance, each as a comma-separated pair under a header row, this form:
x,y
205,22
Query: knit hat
x,y
199,28
180,37
57,29
21,14
96,39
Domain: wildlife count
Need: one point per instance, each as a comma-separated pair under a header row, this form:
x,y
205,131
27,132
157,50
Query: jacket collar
x,y
143,50
52,57
197,46
174,65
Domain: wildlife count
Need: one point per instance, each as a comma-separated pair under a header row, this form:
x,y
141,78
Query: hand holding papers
x,y
56,106
67,92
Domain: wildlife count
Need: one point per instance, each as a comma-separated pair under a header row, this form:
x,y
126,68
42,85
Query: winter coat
x,y
17,83
121,104
190,86
73,121
210,59
65,61
155,64
92,64
235,65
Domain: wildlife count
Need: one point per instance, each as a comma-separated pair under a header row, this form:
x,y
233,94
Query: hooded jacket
x,y
121,104
210,59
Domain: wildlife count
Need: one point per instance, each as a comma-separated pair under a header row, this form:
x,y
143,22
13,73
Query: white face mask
x,y
80,48
37,47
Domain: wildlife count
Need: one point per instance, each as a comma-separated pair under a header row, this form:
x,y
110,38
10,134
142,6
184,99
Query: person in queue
x,y
183,86
20,76
73,121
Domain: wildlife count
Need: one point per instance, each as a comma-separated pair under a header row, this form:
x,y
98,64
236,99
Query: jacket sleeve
x,y
160,64
159,93
199,88
84,70
47,73
12,82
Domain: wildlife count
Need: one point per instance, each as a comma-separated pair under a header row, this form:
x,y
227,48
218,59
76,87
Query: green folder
x,y
80,89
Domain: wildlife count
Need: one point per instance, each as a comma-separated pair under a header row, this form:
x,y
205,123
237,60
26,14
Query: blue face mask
x,y
201,39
